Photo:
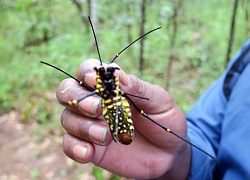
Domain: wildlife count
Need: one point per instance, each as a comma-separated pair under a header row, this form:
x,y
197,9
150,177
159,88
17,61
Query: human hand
x,y
153,153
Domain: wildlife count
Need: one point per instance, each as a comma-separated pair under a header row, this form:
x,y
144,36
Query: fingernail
x,y
98,132
79,151
90,104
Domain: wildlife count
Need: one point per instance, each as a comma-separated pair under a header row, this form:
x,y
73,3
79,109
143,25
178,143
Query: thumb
x,y
159,99
160,108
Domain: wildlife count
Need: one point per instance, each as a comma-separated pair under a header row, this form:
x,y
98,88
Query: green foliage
x,y
115,177
34,174
97,172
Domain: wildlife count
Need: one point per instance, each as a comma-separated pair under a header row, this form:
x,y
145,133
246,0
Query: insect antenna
x,y
96,44
80,82
140,97
116,56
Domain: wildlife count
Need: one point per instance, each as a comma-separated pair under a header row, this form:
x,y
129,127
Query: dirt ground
x,y
23,156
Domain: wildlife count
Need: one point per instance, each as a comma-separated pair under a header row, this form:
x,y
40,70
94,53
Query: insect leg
x,y
167,129
140,97
76,101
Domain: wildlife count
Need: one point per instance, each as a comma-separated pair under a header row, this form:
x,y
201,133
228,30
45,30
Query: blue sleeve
x,y
219,126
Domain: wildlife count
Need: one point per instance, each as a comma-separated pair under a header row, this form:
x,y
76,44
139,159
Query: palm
x,y
152,146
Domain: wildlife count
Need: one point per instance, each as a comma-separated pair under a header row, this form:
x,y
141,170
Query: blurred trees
x,y
191,44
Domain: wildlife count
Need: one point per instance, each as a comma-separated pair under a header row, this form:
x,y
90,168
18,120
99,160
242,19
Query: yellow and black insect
x,y
116,103
115,107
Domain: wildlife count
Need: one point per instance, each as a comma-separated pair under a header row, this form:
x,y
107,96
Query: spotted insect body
x,y
115,107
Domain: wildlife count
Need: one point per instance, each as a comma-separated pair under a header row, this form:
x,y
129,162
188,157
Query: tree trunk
x,y
177,6
230,40
143,20
81,12
245,6
128,22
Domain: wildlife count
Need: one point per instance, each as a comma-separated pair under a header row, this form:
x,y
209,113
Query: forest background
x,y
185,56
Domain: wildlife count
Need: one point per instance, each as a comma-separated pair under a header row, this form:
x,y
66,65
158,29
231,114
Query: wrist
x,y
180,166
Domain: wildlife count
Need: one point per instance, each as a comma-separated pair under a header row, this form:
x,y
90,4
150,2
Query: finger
x,y
78,149
69,90
161,108
173,120
156,95
88,129
86,72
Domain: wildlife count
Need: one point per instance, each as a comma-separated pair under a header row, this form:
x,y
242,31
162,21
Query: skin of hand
x,y
154,153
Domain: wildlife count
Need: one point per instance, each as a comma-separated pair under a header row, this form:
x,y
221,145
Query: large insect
x,y
116,103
